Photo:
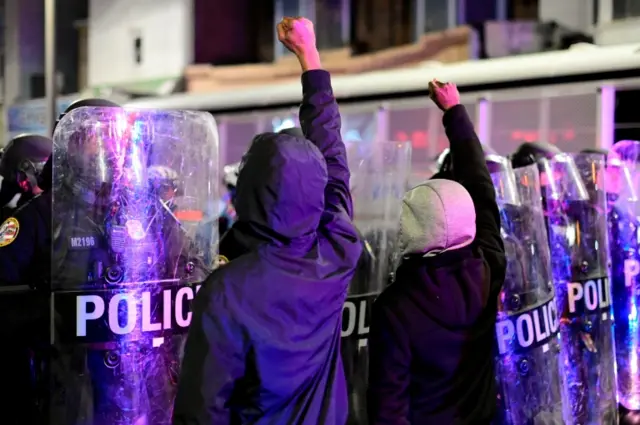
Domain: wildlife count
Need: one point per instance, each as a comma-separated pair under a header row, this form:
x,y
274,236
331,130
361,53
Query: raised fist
x,y
444,95
297,35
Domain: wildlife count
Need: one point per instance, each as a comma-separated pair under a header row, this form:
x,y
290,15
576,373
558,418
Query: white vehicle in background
x,y
564,97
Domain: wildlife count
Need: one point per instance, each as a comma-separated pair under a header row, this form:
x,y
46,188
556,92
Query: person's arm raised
x,y
319,114
470,168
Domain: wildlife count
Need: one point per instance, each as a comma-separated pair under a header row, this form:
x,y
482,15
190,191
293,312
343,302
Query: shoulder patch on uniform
x,y
221,260
9,231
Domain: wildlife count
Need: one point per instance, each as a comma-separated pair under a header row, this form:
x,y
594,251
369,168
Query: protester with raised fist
x,y
432,331
264,342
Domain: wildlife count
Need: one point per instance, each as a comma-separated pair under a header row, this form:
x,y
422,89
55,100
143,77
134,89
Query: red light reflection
x,y
420,139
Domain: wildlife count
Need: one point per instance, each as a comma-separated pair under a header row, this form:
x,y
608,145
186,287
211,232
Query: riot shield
x,y
575,207
125,262
379,176
528,369
622,183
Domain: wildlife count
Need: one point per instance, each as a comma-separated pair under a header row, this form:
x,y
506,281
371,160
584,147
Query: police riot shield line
x,y
125,264
623,183
528,371
379,175
575,203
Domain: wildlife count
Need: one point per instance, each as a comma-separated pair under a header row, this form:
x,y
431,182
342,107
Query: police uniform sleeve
x,y
19,238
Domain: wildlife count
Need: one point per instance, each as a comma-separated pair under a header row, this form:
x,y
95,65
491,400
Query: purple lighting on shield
x,y
135,230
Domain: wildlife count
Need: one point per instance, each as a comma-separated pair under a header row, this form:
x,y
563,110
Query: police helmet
x,y
165,180
23,160
443,161
94,102
623,163
531,153
598,151
230,175
559,175
445,165
46,176
81,167
627,150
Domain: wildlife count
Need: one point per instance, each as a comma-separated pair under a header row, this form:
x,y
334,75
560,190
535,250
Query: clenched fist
x,y
444,95
297,35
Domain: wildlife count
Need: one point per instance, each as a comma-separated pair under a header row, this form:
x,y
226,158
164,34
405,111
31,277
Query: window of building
x,y
524,10
333,23
286,8
623,9
436,15
137,50
627,124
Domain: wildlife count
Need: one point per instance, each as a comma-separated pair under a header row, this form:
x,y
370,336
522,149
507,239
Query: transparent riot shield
x,y
527,362
131,195
575,203
379,176
623,183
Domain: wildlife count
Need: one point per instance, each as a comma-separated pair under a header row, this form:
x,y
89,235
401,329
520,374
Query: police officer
x,y
624,227
573,199
20,166
25,257
25,237
115,204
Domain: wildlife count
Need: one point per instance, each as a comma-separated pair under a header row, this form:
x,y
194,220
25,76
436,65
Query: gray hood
x,y
437,216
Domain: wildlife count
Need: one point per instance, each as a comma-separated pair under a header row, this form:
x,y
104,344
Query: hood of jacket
x,y
280,190
437,216
444,277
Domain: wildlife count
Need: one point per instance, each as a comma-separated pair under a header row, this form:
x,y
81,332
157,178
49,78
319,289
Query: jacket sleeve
x,y
320,122
389,369
213,361
470,170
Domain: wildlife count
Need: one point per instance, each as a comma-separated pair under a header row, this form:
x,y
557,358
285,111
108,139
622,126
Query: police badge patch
x,y
221,260
9,231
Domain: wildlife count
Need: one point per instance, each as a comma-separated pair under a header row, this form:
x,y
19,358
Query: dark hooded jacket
x,y
264,342
432,331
